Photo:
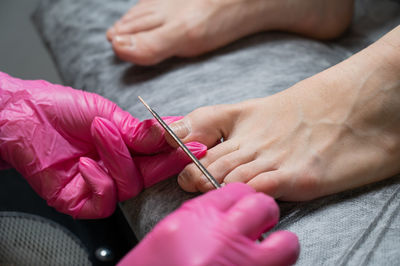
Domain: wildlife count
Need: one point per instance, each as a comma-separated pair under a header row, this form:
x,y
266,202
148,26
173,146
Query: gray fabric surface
x,y
352,228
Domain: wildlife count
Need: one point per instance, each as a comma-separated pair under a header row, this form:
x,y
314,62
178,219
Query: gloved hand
x,y
218,228
74,147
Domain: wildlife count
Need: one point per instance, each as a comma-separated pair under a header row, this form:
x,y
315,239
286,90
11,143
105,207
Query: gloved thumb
x,y
116,158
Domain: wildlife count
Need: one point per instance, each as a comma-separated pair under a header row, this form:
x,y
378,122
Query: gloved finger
x,y
116,158
262,209
223,198
163,165
89,194
141,137
149,136
279,248
103,198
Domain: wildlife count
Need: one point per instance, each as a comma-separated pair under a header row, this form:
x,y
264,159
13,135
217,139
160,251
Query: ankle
x,y
370,91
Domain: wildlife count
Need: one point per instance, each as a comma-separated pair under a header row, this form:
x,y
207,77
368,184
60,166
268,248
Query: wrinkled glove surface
x,y
80,151
218,228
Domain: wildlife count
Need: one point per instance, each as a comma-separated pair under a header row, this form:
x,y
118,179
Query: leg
x,y
334,131
154,30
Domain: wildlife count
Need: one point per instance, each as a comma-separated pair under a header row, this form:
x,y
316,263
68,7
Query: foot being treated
x,y
337,130
154,30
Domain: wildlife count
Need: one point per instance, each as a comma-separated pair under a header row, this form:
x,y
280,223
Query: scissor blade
x,y
183,146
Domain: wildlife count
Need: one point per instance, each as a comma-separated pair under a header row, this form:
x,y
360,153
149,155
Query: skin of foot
x,y
337,130
154,30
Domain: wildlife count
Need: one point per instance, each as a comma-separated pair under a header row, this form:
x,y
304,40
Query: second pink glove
x,y
218,228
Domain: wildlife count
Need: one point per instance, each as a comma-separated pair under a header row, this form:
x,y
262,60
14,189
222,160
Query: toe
x,y
225,164
192,180
273,183
246,171
132,26
139,11
145,48
206,125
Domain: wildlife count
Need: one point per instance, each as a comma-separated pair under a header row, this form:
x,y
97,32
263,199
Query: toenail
x,y
180,128
125,41
183,178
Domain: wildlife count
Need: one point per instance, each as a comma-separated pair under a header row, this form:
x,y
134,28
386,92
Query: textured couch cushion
x,y
355,227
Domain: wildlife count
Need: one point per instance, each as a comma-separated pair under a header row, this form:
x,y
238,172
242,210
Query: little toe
x,y
145,48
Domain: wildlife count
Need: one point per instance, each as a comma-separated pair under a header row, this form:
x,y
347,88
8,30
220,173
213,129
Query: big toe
x,y
134,25
144,48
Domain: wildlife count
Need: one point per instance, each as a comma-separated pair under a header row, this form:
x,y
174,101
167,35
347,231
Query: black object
x,y
112,233
27,239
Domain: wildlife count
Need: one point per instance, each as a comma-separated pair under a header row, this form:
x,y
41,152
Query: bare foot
x,y
337,130
154,30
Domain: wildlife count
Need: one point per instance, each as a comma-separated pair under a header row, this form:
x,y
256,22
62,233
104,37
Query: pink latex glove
x,y
75,148
218,228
